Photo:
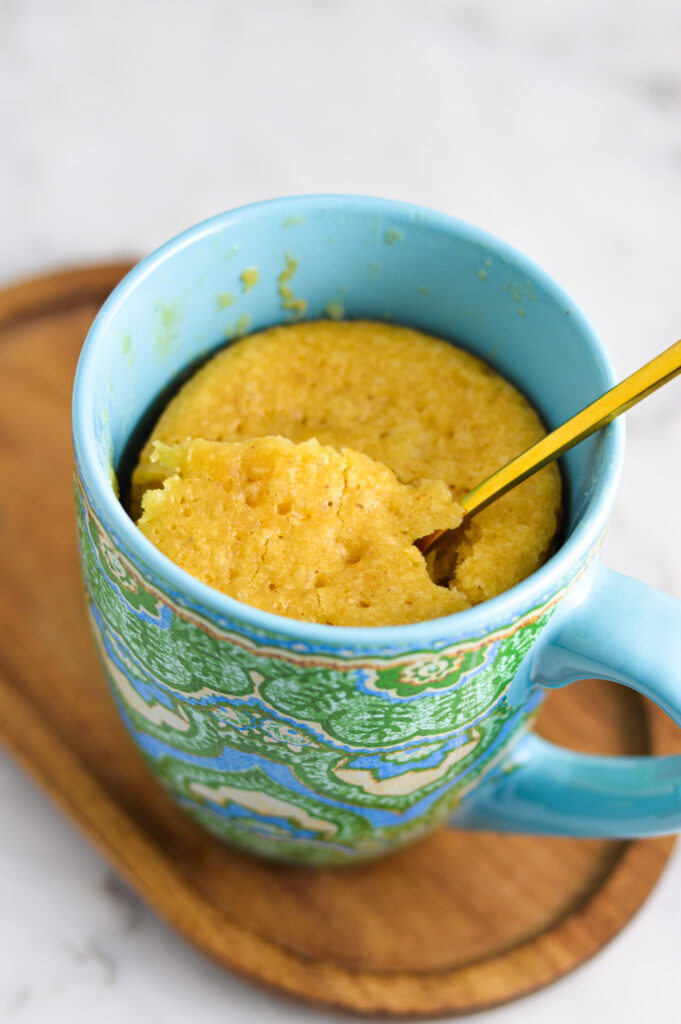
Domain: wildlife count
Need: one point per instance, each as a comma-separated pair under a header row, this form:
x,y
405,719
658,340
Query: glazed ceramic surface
x,y
324,744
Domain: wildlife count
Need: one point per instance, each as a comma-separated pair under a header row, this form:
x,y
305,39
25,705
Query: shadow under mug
x,y
324,744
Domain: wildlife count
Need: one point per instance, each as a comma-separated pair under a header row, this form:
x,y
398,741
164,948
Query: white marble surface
x,y
556,126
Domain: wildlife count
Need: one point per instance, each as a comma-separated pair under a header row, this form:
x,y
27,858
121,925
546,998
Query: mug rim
x,y
462,625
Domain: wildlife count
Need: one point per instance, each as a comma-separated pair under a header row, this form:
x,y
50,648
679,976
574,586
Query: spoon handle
x,y
601,412
608,407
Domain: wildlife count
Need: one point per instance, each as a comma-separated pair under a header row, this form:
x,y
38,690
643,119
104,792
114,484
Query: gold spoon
x,y
604,410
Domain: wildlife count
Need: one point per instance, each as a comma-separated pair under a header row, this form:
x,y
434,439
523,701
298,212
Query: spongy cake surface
x,y
303,530
419,405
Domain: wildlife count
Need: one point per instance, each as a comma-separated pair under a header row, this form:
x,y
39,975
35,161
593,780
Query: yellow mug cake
x,y
297,467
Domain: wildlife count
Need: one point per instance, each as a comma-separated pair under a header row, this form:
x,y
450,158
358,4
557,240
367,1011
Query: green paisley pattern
x,y
310,755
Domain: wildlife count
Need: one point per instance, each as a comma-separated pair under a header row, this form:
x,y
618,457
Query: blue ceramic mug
x,y
325,744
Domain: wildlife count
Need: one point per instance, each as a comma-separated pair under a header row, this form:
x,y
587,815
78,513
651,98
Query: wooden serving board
x,y
458,922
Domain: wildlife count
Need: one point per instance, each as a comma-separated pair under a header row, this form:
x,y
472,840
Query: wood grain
x,y
458,922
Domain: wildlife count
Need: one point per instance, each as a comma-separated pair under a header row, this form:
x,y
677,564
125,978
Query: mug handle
x,y
614,628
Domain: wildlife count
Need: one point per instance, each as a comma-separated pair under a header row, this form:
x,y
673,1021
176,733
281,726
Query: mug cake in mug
x,y
258,641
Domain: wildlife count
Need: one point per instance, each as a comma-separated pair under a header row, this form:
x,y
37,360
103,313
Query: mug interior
x,y
368,258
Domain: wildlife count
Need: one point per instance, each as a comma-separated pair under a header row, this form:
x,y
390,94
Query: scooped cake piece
x,y
303,530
